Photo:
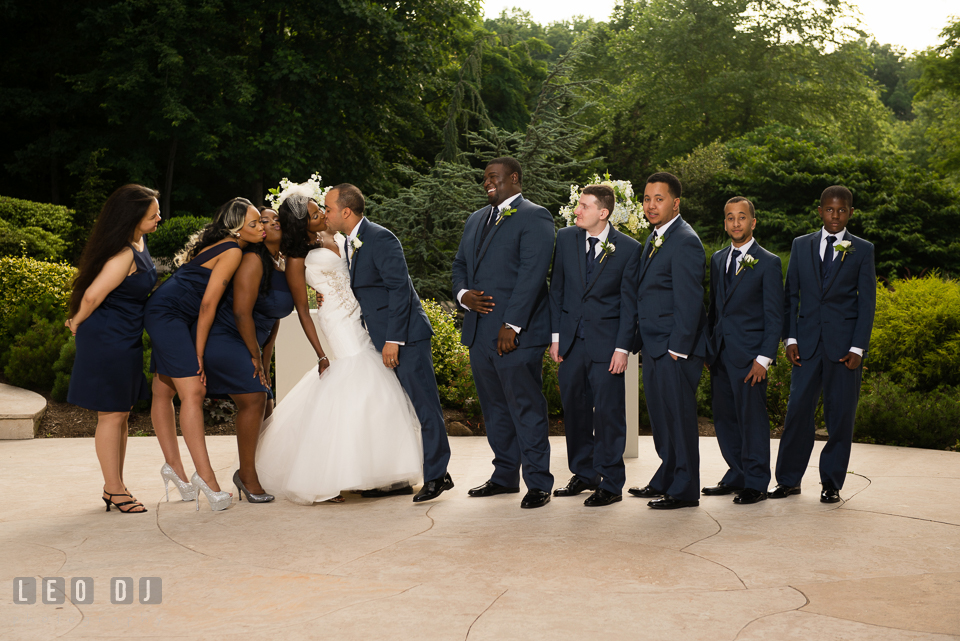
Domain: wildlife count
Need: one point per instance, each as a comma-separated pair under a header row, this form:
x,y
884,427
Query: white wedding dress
x,y
354,428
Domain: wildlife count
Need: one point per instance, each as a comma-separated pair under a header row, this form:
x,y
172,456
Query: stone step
x,y
20,412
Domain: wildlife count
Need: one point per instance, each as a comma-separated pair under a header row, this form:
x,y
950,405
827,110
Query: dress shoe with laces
x,y
645,492
574,487
601,497
397,491
670,503
783,491
535,498
490,489
720,489
748,496
829,495
433,489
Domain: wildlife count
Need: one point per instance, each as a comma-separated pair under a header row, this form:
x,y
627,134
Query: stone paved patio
x,y
883,565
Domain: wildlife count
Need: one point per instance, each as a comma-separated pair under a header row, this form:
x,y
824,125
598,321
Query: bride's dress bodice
x,y
339,315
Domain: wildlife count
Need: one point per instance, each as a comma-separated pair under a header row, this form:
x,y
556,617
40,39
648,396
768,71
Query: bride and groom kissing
x,y
359,425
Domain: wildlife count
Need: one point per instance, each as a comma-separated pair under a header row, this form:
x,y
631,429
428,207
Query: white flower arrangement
x,y
627,215
312,189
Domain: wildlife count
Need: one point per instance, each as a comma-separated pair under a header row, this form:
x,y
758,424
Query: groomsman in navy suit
x,y
399,328
743,329
593,301
673,342
500,278
829,301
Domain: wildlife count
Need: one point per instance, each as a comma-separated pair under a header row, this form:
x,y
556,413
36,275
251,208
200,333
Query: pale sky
x,y
913,25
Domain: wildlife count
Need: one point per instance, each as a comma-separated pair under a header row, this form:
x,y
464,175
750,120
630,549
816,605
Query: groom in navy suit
x,y
743,328
829,301
500,278
672,341
399,328
593,303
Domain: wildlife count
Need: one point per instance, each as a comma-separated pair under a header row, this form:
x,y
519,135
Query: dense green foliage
x,y
172,235
25,280
31,242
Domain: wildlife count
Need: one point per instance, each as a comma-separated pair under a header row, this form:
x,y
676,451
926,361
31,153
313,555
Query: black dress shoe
x,y
783,491
720,489
535,498
433,489
601,497
749,495
376,494
574,487
490,488
670,503
829,495
645,492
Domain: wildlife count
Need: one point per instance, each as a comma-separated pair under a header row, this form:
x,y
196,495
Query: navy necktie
x,y
732,268
826,267
491,221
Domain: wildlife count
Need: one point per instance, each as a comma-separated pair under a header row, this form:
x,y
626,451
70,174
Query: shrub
x,y
31,359
892,414
173,234
28,281
30,241
26,213
551,385
778,388
916,332
62,369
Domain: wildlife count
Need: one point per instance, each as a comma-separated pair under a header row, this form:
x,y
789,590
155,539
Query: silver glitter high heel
x,y
217,500
187,491
251,498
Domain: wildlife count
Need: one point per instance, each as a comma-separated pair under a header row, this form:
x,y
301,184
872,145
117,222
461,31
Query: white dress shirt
x,y
500,209
823,252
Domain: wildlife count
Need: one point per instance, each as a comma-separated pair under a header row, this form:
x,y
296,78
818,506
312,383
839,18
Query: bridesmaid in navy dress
x,y
237,360
190,297
106,316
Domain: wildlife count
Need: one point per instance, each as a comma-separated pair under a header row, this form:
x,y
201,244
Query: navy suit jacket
x,y
839,313
607,305
512,267
389,304
670,294
747,319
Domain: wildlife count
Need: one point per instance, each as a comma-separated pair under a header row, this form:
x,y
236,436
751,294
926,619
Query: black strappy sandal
x,y
130,510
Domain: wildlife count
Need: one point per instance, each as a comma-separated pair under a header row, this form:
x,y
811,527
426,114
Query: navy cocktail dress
x,y
108,369
226,360
173,310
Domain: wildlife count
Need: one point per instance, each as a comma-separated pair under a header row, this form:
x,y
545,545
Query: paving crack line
x,y
683,550
806,602
902,516
344,607
389,545
484,612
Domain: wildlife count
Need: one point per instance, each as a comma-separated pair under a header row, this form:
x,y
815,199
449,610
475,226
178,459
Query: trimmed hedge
x,y
55,219
173,234
32,242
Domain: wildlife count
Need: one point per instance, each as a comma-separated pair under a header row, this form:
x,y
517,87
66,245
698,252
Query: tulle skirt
x,y
354,428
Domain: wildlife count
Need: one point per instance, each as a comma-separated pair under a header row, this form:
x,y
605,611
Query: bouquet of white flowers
x,y
627,215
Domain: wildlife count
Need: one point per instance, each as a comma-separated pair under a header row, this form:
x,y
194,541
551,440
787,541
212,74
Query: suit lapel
x,y
647,258
582,256
721,269
739,277
612,239
355,254
489,239
815,258
476,236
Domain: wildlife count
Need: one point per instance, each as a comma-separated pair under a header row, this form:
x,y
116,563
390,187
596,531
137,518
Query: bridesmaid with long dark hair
x,y
190,297
237,360
110,290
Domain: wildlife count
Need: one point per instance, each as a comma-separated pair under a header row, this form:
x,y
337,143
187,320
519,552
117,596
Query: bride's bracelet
x,y
322,358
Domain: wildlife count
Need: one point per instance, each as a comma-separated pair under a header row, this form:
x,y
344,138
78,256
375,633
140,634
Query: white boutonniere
x,y
356,243
505,214
843,247
608,248
656,246
747,261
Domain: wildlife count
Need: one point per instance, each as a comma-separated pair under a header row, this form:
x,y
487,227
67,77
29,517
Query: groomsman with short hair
x,y
672,341
593,301
830,297
743,329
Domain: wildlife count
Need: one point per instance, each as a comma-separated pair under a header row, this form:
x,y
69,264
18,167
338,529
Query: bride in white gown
x,y
353,427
